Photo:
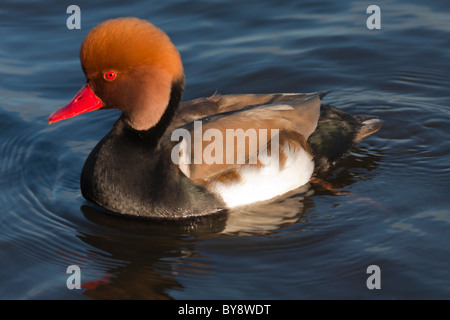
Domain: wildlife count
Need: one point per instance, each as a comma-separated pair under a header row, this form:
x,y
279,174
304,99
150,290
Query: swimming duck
x,y
142,169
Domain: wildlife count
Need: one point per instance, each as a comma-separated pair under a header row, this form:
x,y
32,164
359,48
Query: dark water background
x,y
393,209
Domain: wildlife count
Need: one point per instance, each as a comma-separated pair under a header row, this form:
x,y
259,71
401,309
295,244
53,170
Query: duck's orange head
x,y
130,65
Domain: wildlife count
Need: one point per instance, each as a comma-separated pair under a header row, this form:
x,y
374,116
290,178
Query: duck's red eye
x,y
110,75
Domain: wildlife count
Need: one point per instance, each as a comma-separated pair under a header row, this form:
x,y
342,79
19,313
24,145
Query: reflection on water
x,y
150,254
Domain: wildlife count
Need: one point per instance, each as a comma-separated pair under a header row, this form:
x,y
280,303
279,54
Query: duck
x,y
168,159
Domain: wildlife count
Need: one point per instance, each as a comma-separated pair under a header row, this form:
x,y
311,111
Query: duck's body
x,y
132,170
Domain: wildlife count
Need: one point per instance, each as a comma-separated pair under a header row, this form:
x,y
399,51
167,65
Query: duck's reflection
x,y
144,259
141,256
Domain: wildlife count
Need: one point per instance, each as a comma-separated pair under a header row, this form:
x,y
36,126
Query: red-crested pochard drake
x,y
133,66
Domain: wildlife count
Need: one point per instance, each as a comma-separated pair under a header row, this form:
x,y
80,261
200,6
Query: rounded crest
x,y
126,43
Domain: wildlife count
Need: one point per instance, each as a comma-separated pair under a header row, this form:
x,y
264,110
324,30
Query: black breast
x,y
128,174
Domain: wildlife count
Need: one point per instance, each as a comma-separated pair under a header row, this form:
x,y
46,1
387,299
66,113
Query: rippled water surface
x,y
391,208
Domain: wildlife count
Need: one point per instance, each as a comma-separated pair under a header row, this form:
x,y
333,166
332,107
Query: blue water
x,y
393,205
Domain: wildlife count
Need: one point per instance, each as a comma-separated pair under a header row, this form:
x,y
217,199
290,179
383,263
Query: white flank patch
x,y
267,182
